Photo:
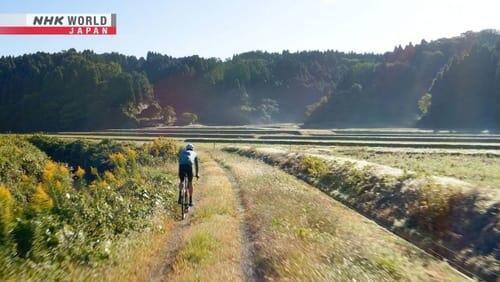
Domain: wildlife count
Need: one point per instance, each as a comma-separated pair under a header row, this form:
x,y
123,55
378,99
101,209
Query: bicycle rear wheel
x,y
184,198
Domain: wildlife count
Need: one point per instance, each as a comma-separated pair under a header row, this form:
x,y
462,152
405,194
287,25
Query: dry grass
x,y
211,248
139,256
432,212
302,234
482,170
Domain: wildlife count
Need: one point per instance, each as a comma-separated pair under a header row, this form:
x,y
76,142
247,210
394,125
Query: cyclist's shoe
x,y
191,204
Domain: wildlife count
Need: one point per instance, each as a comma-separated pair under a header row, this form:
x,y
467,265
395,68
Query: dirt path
x,y
247,241
212,243
171,249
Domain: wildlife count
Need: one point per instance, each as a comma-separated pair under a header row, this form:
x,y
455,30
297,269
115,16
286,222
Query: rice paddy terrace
x,y
291,135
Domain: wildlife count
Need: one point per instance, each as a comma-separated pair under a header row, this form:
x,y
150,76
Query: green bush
x,y
24,236
432,210
86,154
19,158
165,148
314,166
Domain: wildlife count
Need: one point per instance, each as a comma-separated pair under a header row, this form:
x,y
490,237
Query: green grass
x,y
199,248
481,170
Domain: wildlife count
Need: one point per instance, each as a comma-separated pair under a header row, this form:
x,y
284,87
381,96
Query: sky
x,y
222,28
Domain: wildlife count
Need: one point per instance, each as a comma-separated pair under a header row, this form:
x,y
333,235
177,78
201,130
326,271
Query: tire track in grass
x,y
208,246
171,249
248,249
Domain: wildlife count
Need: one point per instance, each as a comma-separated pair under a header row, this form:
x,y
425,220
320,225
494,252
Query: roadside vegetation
x,y
299,233
58,219
449,218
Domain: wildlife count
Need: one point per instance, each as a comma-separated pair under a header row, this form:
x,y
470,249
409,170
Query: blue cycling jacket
x,y
188,157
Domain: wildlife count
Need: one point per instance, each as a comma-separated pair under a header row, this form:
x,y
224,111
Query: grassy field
x,y
433,212
481,170
253,221
301,234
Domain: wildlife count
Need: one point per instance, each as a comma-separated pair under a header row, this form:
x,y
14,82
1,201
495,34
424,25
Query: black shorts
x,y
186,170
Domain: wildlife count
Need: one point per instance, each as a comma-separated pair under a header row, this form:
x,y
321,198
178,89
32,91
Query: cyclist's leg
x,y
181,180
190,185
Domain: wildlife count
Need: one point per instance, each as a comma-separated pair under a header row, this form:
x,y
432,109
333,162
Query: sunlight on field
x,y
303,234
481,170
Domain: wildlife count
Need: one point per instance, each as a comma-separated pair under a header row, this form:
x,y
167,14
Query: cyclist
x,y
187,158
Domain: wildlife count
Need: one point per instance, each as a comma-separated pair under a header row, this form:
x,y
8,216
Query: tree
x,y
151,112
267,109
313,107
187,119
168,114
425,103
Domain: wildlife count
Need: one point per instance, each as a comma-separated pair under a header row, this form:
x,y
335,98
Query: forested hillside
x,y
257,86
388,93
467,93
73,90
68,91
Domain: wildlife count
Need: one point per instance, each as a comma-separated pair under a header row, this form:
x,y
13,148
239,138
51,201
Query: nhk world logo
x,y
63,24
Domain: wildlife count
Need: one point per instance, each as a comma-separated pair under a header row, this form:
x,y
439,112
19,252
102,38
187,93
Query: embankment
x,y
445,216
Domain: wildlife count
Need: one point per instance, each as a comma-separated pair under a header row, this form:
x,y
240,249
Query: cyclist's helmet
x,y
189,147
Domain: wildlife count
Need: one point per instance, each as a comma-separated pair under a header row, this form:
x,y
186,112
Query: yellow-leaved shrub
x,y
434,206
56,176
166,148
6,204
118,159
109,177
80,172
99,184
40,200
131,154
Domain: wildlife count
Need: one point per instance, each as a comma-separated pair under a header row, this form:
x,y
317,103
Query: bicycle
x,y
184,198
